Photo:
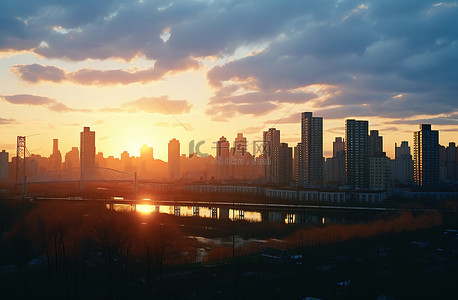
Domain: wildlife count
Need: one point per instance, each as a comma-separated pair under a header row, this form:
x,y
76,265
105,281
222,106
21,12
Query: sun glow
x,y
145,208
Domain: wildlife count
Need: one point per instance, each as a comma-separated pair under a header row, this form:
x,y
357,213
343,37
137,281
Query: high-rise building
x,y
241,159
271,140
426,156
72,159
240,144
87,153
100,161
4,159
338,147
379,172
375,146
295,162
311,157
334,167
379,163
223,163
146,152
403,164
55,159
356,153
174,159
126,161
448,164
283,165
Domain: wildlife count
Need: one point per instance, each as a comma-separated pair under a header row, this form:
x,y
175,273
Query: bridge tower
x,y
21,151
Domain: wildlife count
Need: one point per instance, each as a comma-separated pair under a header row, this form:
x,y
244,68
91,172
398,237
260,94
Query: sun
x,y
145,208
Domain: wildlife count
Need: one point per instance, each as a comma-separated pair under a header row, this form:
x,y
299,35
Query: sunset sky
x,y
144,72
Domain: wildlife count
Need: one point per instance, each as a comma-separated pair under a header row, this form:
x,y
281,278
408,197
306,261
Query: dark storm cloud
x,y
365,53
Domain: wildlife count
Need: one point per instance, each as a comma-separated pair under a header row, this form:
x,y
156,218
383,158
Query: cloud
x,y
155,105
291,119
159,105
4,121
99,122
360,52
26,99
187,126
35,73
253,129
60,107
161,124
224,112
444,120
368,52
337,130
33,100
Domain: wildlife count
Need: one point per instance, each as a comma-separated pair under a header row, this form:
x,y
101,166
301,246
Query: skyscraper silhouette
x,y
4,158
356,153
72,159
379,163
222,159
55,158
271,140
403,164
426,156
283,165
334,167
375,146
311,157
174,159
87,154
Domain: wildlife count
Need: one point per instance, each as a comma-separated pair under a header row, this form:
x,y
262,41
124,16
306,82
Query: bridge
x,y
98,174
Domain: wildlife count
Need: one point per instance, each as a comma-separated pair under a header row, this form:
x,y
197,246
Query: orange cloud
x,y
155,105
51,104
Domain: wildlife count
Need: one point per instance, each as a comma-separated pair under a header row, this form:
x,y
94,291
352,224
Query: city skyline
x,y
205,69
254,147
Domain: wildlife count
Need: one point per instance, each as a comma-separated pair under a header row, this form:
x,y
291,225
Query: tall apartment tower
x,y
240,144
379,163
295,162
334,167
4,159
55,159
356,153
375,146
283,165
72,159
146,152
426,156
338,147
271,140
311,158
223,166
126,161
174,159
403,164
449,167
87,154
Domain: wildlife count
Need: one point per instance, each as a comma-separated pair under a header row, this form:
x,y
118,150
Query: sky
x,y
144,72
